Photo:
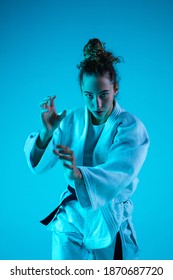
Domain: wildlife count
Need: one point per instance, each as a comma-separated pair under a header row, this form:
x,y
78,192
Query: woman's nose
x,y
97,103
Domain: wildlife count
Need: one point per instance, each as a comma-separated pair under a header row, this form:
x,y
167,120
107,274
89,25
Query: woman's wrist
x,y
43,139
78,176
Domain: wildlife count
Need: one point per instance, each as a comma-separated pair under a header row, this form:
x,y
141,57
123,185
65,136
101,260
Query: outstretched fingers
x,y
52,100
47,101
69,162
64,153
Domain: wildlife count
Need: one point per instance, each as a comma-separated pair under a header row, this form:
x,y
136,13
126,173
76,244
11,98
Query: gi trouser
x,y
69,246
68,237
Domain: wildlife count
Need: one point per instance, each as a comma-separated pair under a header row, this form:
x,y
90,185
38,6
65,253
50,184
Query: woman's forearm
x,y
41,144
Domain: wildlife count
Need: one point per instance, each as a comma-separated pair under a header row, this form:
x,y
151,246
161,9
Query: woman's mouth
x,y
98,112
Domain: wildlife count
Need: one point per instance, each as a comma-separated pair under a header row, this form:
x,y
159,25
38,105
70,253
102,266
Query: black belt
x,y
72,196
118,252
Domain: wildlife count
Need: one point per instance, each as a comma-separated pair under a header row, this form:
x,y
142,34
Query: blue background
x,y
40,44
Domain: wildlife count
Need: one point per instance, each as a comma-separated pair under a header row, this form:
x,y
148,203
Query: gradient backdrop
x,y
40,44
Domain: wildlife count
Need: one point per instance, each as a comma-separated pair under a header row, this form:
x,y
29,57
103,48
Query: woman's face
x,y
98,93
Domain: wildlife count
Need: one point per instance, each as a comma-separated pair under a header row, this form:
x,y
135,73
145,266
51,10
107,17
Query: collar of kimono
x,y
111,119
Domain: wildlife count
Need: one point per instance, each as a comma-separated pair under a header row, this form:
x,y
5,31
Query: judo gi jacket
x,y
111,180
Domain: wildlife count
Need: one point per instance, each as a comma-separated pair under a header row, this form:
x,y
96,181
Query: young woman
x,y
102,148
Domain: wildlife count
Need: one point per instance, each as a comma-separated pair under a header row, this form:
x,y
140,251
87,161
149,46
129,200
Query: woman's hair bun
x,y
95,50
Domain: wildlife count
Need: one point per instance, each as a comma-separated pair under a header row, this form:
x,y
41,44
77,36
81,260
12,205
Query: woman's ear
x,y
115,89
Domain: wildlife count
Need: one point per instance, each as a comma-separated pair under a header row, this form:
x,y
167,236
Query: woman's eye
x,y
88,95
104,94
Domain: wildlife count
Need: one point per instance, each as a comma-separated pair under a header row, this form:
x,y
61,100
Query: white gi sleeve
x,y
48,159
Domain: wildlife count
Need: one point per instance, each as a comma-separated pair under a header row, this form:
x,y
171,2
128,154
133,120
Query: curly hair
x,y
98,61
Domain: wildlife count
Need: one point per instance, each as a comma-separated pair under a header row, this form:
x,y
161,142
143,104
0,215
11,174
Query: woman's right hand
x,y
50,119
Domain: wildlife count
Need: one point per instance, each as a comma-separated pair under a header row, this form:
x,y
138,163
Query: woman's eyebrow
x,y
88,92
106,90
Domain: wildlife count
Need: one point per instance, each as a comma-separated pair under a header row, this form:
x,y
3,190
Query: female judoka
x,y
102,148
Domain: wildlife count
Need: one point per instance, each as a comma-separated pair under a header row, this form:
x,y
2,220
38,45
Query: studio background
x,y
41,43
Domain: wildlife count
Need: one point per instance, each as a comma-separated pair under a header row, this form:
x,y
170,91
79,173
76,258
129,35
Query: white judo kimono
x,y
103,206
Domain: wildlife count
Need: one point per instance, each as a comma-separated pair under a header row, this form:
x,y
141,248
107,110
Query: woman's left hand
x,y
67,155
